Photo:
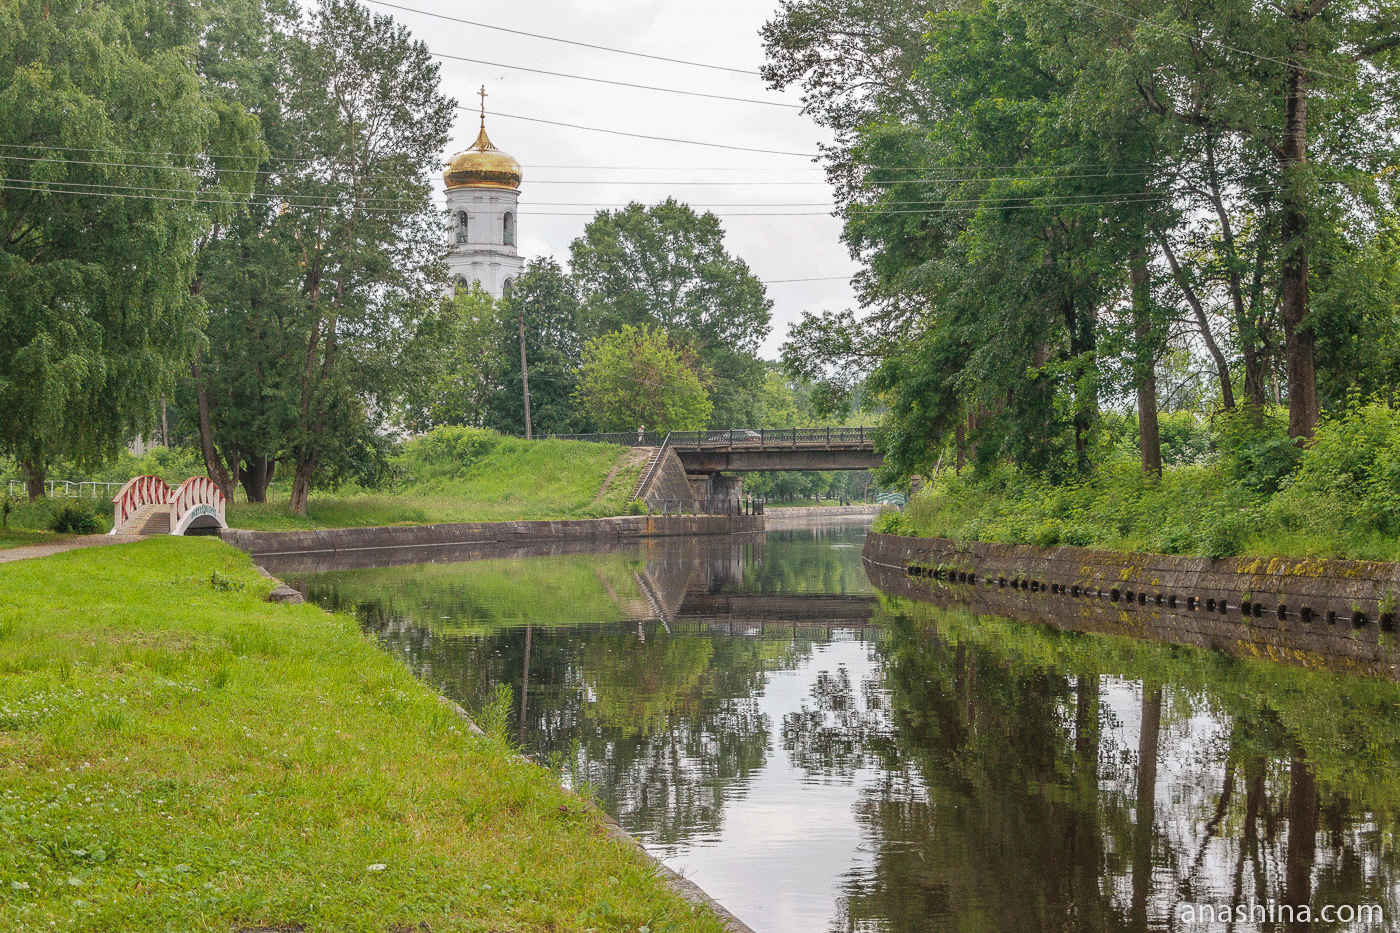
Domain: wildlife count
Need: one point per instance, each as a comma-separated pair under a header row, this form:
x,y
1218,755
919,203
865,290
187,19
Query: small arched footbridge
x,y
148,506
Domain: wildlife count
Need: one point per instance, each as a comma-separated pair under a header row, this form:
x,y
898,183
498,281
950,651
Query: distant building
x,y
483,193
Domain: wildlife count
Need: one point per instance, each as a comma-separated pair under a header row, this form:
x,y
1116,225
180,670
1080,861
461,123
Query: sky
x,y
571,173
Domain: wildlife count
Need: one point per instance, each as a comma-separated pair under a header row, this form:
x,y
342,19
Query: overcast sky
x,y
572,173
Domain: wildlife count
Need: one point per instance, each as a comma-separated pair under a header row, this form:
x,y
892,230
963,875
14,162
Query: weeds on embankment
x,y
1253,493
176,753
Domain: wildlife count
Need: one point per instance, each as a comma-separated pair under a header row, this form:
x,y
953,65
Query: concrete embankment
x,y
493,535
1338,614
799,517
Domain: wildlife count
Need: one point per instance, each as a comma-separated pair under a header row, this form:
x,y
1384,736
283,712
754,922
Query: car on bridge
x,y
735,437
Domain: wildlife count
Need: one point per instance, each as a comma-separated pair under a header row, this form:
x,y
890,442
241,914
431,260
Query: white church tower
x,y
483,193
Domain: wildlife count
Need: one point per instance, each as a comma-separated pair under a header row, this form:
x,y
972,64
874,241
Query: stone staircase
x,y
152,519
646,473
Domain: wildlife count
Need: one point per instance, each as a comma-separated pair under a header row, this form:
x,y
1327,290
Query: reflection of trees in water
x,y
804,561
1013,800
839,732
663,730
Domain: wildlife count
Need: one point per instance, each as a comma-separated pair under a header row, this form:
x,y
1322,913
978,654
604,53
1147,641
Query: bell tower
x,y
483,195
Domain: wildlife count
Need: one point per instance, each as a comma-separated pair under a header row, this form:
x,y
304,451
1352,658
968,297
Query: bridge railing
x,y
732,437
138,491
197,496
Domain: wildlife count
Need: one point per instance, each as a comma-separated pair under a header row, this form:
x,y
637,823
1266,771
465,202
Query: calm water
x,y
816,759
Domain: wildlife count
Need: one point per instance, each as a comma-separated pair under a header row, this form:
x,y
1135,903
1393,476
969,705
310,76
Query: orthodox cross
x,y
482,94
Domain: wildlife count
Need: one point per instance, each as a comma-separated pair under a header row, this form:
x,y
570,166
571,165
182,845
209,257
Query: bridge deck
x,y
747,450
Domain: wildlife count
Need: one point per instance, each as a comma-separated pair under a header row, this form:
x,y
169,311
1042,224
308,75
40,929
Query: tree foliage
x,y
117,159
314,290
666,266
543,304
633,377
1049,198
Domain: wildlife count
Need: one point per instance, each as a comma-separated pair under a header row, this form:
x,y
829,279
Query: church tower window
x,y
508,229
461,226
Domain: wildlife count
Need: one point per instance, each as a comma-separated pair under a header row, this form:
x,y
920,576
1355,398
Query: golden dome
x,y
483,166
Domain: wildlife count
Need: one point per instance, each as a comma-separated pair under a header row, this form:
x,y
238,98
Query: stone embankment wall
x,y
497,535
670,482
798,517
1328,613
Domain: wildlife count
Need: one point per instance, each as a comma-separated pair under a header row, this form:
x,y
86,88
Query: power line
x,y
586,45
645,87
664,139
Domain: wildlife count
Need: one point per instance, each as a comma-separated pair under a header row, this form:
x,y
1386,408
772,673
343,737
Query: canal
x,y
817,756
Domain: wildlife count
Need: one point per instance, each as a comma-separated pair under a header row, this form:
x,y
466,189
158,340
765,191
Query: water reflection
x,y
816,758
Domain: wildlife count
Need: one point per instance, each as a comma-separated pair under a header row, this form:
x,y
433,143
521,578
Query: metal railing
x,y
67,488
705,507
734,437
655,465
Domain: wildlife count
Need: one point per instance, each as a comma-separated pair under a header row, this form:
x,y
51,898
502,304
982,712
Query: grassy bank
x,y
459,475
448,475
1251,493
177,754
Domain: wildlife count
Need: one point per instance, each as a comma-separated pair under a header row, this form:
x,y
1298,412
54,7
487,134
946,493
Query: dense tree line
x,y
1054,199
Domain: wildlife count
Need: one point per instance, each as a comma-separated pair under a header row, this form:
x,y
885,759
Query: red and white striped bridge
x,y
148,506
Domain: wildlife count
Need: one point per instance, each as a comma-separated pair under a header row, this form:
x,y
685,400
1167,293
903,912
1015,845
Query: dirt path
x,y
636,455
27,551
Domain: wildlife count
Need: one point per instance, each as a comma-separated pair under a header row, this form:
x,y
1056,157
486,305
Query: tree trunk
x,y
213,465
257,474
1299,339
1246,331
1302,837
1222,368
1145,367
1148,739
301,482
1082,344
34,476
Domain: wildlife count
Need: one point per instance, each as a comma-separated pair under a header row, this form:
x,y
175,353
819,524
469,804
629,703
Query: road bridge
x,y
750,450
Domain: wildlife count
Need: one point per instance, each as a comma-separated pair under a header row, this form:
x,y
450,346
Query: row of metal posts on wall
x,y
708,506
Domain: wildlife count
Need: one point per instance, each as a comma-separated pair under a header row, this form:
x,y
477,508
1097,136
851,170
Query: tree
x,y
316,289
117,159
666,266
1045,193
543,302
454,369
634,377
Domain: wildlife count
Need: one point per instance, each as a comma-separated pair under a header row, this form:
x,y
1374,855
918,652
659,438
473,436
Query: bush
x,y
1257,452
75,517
446,453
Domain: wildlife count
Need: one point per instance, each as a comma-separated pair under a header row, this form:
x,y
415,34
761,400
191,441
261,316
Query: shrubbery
x,y
445,454
1249,491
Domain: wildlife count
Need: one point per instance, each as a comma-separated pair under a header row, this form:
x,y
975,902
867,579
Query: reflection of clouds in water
x,y
793,828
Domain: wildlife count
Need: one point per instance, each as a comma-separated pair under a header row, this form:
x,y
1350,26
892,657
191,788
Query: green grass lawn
x,y
514,480
178,754
18,537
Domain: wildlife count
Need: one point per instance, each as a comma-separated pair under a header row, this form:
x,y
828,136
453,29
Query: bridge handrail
x,y
656,465
138,491
194,492
734,437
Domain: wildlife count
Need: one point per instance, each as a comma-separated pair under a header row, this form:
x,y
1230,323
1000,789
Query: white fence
x,y
67,488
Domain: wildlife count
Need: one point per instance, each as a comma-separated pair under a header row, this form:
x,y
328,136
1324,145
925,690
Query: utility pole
x,y
525,375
